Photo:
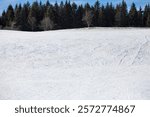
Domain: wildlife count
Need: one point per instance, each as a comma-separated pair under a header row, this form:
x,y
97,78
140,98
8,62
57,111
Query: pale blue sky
x,y
5,3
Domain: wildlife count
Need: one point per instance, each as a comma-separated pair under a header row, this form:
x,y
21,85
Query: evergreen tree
x,y
74,14
148,21
4,18
0,22
96,13
68,20
121,17
33,18
48,16
140,17
124,14
109,13
133,16
62,15
145,15
87,7
79,16
118,15
10,15
56,15
101,20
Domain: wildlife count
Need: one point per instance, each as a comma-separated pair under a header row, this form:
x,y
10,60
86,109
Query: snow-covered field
x,y
97,63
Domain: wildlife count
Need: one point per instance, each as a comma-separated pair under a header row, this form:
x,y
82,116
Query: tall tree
x,y
33,18
109,13
121,17
102,16
140,17
47,24
4,18
10,15
118,15
79,16
74,14
0,22
68,15
133,16
96,13
145,15
88,17
148,21
124,14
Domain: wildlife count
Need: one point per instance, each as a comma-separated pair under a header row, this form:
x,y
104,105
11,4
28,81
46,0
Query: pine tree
x,y
18,17
96,13
33,18
68,21
62,15
4,19
109,13
10,15
145,15
121,17
79,16
148,21
0,22
118,16
87,7
140,17
124,14
74,16
102,17
133,16
56,16
47,16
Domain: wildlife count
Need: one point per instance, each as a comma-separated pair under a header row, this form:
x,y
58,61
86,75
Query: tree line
x,y
66,15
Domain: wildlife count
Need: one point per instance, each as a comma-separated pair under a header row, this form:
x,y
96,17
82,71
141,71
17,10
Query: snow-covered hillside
x,y
99,63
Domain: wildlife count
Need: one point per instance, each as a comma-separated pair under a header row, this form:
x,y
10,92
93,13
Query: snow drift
x,y
96,63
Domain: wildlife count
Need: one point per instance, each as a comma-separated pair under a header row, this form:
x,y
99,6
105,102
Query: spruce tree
x,y
145,15
62,15
140,17
124,14
33,17
121,16
102,17
148,21
79,16
68,21
0,22
133,16
118,16
74,16
4,19
96,13
10,15
109,13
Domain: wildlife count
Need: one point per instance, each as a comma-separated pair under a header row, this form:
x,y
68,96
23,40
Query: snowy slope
x,y
98,63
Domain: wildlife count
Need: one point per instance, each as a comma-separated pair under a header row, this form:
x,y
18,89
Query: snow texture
x,y
96,63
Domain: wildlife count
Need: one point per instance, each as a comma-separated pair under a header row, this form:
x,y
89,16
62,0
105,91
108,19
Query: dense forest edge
x,y
66,15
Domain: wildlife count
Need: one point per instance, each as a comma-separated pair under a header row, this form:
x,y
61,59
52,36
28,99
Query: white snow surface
x,y
80,64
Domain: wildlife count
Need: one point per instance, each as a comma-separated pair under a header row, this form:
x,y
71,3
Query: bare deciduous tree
x,y
32,22
47,24
88,17
13,25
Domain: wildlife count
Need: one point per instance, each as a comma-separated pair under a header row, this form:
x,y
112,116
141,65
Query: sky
x,y
5,3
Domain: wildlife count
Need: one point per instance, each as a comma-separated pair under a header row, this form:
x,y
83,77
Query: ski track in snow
x,y
96,63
